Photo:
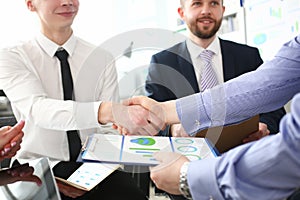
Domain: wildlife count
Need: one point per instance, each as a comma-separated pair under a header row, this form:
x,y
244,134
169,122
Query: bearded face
x,y
205,27
203,18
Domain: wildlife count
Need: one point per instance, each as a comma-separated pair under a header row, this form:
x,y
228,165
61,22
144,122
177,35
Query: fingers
x,y
33,178
10,136
69,190
21,170
4,129
161,156
177,130
253,137
15,130
166,159
10,149
157,118
135,119
263,131
166,175
138,116
138,100
24,172
263,128
144,101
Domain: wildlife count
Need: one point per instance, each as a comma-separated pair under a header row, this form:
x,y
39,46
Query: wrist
x,y
105,113
169,109
183,182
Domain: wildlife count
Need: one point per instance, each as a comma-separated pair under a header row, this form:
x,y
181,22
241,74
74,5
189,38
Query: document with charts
x,y
139,149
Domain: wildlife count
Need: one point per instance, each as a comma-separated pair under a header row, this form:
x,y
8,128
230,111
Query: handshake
x,y
144,116
138,116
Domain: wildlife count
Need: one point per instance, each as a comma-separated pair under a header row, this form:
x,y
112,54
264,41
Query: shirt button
x,y
197,123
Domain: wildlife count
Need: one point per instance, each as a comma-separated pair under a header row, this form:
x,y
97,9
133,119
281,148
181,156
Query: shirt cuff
x,y
202,179
192,114
86,114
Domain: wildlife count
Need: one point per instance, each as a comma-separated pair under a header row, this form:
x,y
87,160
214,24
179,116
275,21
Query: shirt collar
x,y
195,49
51,47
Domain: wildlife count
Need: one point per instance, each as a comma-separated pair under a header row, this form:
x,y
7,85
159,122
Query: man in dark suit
x,y
176,72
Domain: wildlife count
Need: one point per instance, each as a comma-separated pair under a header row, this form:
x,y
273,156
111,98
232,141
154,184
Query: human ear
x,y
180,12
30,5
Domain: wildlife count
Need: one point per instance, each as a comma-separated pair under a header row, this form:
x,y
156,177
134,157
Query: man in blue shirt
x,y
244,172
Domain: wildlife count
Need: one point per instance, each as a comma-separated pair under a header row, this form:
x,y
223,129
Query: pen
x,y
83,148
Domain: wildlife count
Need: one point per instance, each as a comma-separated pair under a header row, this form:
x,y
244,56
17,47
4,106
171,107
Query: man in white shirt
x,y
31,79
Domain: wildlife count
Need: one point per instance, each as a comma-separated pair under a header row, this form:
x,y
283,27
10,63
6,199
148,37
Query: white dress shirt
x,y
198,63
31,78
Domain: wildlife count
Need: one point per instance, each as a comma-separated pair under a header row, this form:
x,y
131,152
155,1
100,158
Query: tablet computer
x,y
23,190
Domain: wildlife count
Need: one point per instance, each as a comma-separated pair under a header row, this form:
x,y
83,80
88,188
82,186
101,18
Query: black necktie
x,y
73,137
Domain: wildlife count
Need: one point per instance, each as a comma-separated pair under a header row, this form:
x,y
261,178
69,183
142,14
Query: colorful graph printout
x,y
140,149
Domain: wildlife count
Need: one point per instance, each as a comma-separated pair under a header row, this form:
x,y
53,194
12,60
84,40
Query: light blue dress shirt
x,y
268,168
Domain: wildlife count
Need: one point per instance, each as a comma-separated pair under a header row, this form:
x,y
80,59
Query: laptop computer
x,y
23,190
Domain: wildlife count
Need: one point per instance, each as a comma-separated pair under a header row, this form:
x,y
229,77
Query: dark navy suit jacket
x,y
171,74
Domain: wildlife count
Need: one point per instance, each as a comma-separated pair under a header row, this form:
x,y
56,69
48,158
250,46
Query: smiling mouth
x,y
68,13
206,21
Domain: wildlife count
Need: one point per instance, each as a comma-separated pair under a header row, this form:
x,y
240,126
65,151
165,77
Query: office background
x,y
265,24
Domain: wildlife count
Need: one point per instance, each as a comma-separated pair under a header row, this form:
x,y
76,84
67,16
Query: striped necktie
x,y
208,76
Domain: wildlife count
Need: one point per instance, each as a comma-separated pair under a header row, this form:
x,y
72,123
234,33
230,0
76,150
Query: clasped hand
x,y
139,116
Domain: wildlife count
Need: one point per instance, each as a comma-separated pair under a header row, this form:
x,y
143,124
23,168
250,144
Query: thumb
x,y
164,156
135,100
16,129
18,126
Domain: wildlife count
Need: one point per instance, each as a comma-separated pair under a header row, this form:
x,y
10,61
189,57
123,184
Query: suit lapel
x,y
228,61
185,66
